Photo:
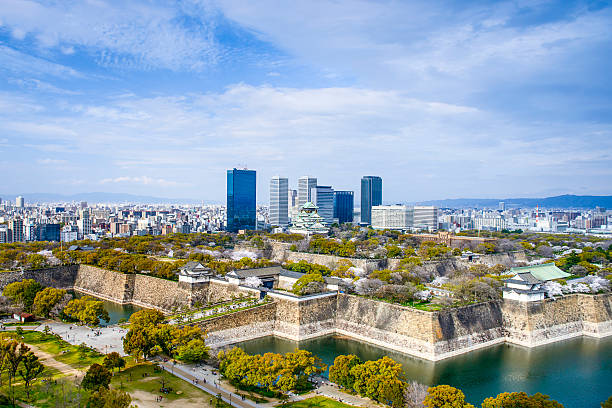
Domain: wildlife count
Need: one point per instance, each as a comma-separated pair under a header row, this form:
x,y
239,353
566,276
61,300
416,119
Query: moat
x,y
575,372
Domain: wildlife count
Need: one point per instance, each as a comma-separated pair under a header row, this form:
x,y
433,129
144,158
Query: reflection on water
x,y
577,372
116,311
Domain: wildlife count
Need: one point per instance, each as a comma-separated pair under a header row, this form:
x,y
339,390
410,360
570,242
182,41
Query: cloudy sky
x,y
441,99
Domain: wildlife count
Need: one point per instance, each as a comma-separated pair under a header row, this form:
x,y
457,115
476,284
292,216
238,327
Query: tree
x,y
340,372
380,380
109,398
414,395
607,403
87,310
30,371
46,300
520,400
300,285
114,360
22,292
14,353
97,376
195,351
445,396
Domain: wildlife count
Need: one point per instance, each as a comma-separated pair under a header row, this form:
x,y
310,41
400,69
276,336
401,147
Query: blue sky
x,y
441,99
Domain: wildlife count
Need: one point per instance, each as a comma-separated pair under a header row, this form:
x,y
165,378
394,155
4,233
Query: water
x,y
576,372
116,311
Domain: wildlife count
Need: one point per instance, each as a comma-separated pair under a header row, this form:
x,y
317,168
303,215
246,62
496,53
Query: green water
x,y
115,311
576,372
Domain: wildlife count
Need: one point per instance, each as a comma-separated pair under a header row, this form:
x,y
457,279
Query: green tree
x,y
14,353
520,400
340,372
22,292
195,351
114,360
87,310
97,376
607,403
300,285
445,396
381,380
30,371
109,398
46,299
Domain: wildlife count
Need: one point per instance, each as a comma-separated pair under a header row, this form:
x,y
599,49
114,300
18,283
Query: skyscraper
x,y
426,218
20,202
241,193
343,206
279,201
323,197
305,185
15,228
371,194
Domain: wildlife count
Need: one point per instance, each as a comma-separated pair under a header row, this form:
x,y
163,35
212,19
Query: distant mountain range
x,y
115,198
562,201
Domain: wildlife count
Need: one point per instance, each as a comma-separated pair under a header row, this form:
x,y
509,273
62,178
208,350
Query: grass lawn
x,y
22,324
132,380
318,402
72,355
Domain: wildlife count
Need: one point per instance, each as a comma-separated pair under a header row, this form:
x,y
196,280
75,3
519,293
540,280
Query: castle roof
x,y
543,272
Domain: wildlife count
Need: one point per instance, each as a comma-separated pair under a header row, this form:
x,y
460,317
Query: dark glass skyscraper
x,y
371,195
241,210
343,206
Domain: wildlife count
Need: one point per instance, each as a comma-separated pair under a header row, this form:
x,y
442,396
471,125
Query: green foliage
x,y
340,372
607,403
114,360
109,398
87,310
432,250
286,237
299,287
445,396
97,376
23,292
149,335
322,245
46,299
520,400
393,251
31,369
381,380
272,372
306,267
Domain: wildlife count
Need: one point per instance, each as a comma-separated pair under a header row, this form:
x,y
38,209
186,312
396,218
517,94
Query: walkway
x,y
231,398
110,338
48,360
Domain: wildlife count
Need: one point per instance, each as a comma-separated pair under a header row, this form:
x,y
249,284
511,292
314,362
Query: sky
x,y
442,99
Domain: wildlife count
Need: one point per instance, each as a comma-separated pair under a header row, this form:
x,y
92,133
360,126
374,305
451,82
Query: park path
x,y
48,360
229,397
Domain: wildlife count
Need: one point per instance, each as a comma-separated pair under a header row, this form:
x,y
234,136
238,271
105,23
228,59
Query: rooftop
x,y
543,272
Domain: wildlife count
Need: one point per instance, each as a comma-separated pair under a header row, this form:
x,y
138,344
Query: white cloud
x,y
148,181
138,34
51,161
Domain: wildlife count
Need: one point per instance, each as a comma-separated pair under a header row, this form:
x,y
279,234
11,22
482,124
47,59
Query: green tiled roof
x,y
544,272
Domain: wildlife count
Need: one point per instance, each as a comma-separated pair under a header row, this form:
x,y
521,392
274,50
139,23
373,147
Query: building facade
x,y
425,218
241,196
323,198
305,186
371,195
279,201
344,203
397,217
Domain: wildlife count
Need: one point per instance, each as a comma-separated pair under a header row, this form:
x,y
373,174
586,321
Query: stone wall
x,y
105,284
242,325
151,292
57,277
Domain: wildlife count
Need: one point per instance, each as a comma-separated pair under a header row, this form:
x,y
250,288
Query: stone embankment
x,y
430,335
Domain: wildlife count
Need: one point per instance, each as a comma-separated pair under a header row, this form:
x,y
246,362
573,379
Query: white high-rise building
x,y
84,223
398,217
426,218
20,202
279,201
305,186
323,197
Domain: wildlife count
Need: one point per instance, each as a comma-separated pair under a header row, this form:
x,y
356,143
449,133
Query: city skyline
x,y
441,100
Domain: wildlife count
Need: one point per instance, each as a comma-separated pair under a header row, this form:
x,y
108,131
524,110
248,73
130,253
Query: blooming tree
x,y
253,282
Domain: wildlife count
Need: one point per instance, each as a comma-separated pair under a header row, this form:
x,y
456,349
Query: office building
x,y
84,223
20,202
241,196
425,218
396,217
15,227
279,201
343,206
305,186
323,197
371,195
502,206
50,232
